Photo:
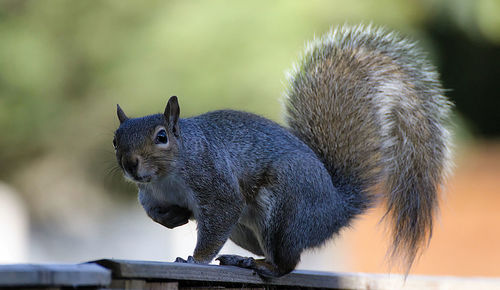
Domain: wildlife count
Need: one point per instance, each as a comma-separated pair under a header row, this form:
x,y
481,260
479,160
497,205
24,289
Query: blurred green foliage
x,y
65,64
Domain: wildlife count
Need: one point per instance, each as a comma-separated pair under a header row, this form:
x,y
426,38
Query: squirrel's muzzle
x,y
130,164
134,169
131,168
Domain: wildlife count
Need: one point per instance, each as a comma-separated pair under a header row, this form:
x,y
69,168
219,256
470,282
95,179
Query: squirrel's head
x,y
146,148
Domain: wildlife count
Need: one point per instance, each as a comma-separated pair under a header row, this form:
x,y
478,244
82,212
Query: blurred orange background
x,y
466,237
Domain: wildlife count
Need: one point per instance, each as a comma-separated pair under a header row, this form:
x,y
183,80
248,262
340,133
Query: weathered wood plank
x,y
177,272
213,273
54,275
156,275
129,284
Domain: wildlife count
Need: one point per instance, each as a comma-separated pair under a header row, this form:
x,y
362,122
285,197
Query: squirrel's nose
x,y
131,164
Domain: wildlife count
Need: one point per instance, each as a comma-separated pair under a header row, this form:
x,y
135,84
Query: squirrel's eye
x,y
161,137
114,142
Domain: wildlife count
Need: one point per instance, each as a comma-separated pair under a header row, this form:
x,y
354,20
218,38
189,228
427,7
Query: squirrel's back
x,y
239,133
371,107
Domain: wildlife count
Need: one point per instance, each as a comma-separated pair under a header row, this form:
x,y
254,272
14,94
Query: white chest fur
x,y
170,190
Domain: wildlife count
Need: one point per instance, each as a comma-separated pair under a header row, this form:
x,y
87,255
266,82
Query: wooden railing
x,y
120,274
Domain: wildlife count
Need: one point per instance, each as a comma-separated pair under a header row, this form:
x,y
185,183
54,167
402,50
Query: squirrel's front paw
x,y
190,260
173,216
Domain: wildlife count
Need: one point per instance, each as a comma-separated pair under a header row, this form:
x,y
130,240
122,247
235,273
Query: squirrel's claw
x,y
190,260
261,266
235,260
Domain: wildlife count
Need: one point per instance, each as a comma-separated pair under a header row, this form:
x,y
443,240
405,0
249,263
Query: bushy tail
x,y
371,106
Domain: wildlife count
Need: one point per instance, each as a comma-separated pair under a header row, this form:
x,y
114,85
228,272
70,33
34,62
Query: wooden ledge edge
x,y
73,275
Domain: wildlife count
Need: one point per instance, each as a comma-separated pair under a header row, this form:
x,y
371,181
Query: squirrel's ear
x,y
121,115
172,112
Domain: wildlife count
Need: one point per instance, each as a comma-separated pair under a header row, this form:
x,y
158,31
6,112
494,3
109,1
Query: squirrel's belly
x,y
257,213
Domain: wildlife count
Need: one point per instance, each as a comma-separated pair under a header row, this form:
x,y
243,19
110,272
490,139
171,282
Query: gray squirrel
x,y
365,114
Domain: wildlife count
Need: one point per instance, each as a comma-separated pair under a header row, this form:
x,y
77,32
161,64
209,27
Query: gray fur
x,y
352,104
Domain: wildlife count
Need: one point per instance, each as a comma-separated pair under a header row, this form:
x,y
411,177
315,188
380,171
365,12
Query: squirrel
x,y
366,117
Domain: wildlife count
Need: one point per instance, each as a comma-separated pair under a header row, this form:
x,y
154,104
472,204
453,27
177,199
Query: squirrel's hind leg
x,y
263,267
